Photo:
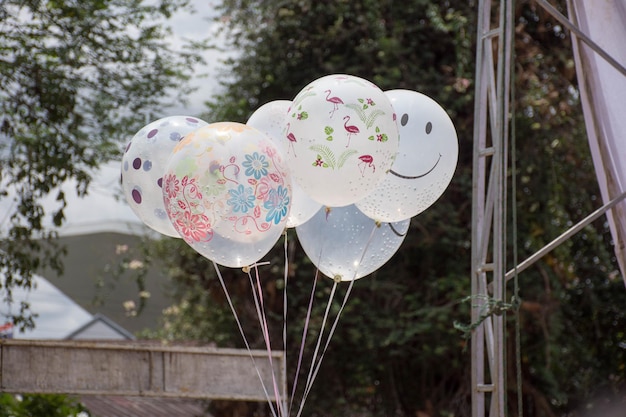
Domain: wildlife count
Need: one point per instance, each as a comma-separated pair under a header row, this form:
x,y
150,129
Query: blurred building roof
x,y
100,327
121,406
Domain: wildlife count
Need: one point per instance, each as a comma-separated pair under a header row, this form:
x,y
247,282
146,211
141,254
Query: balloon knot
x,y
246,269
337,278
378,223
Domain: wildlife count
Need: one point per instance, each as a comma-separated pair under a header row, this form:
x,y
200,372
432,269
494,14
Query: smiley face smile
x,y
407,177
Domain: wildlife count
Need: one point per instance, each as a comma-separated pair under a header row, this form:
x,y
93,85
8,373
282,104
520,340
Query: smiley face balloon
x,y
426,160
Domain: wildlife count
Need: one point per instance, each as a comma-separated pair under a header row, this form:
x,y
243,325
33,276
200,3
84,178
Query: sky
x,y
198,25
102,209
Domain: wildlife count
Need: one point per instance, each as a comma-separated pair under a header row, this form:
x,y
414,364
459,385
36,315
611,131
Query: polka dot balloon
x,y
143,164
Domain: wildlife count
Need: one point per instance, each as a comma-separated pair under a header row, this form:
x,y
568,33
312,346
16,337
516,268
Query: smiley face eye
x,y
429,128
404,120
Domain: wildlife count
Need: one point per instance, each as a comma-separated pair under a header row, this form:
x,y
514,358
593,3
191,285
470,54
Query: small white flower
x,y
135,264
120,249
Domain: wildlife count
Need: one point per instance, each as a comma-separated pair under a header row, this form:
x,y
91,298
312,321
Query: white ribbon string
x,y
245,340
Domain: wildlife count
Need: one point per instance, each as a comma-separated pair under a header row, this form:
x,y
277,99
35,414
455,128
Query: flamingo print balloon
x,y
343,137
425,162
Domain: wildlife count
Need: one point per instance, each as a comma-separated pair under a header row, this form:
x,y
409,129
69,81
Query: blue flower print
x,y
256,165
242,199
277,203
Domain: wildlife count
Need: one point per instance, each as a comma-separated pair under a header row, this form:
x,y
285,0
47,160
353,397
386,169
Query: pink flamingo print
x,y
350,129
335,100
292,139
367,161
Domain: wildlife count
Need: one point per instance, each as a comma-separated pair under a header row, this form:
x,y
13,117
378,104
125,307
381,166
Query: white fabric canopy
x,y
603,96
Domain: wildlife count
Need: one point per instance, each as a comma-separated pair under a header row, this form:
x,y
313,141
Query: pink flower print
x,y
191,188
275,177
263,188
379,137
194,227
171,185
370,102
271,152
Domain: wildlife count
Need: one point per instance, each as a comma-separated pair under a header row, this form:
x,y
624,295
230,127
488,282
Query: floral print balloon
x,y
269,119
227,193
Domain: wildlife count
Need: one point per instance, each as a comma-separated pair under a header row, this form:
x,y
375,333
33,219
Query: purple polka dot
x,y
136,195
125,165
128,146
147,165
152,133
137,163
160,213
191,120
175,136
160,182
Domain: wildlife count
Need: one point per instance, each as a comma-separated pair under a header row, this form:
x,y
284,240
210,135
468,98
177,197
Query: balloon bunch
x,y
344,163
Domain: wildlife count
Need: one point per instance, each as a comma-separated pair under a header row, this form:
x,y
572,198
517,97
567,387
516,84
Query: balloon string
x,y
286,276
330,334
321,332
245,340
302,344
309,380
334,326
260,309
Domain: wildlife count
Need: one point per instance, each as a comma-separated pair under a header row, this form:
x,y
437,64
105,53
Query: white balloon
x,y
345,244
270,119
143,164
425,162
342,138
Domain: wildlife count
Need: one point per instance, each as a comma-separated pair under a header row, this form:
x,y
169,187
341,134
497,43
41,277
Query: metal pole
x,y
478,209
491,130
564,236
581,35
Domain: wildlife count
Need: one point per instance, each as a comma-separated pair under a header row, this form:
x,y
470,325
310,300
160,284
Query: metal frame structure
x,y
491,132
494,54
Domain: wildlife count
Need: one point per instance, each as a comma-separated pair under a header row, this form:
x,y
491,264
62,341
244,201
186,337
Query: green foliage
x,y
285,45
75,78
40,405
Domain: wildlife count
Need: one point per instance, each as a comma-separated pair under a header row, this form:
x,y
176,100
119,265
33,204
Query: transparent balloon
x,y
226,193
143,164
342,137
345,244
425,162
270,119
